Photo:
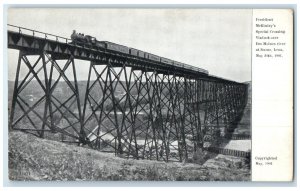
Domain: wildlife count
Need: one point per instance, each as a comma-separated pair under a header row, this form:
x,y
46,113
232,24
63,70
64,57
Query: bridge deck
x,y
61,48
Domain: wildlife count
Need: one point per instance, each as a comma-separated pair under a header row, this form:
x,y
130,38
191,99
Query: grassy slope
x,y
32,158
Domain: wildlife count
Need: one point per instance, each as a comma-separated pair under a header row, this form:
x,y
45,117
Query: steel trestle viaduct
x,y
134,107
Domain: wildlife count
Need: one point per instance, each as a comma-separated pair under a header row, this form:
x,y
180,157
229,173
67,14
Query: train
x,y
88,41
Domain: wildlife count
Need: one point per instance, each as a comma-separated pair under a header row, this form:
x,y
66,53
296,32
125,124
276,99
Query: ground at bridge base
x,y
32,158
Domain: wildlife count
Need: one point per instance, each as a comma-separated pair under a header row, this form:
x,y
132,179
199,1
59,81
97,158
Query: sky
x,y
218,40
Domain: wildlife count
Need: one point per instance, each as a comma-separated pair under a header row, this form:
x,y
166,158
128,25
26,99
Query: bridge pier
x,y
40,108
25,110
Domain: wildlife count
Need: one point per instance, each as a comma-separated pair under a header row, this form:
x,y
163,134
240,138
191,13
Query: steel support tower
x,y
131,106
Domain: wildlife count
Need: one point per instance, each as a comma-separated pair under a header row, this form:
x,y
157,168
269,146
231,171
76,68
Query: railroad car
x,y
136,52
152,57
116,47
99,44
178,64
133,52
141,54
166,61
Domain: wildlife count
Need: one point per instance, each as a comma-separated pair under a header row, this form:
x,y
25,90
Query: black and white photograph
x,y
129,94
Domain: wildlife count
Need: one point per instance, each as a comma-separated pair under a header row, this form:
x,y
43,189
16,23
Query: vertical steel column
x,y
82,134
128,120
160,118
177,113
16,91
48,99
199,101
87,93
150,139
191,115
114,105
156,119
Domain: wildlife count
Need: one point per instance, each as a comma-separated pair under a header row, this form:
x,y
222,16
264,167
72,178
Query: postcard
x,y
148,94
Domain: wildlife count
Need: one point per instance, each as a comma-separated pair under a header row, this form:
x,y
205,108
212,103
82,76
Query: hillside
x,y
32,158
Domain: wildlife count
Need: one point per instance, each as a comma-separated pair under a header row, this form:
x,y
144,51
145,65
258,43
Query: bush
x,y
152,172
200,156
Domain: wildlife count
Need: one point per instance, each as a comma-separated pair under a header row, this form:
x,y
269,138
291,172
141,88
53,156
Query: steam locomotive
x,y
89,41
